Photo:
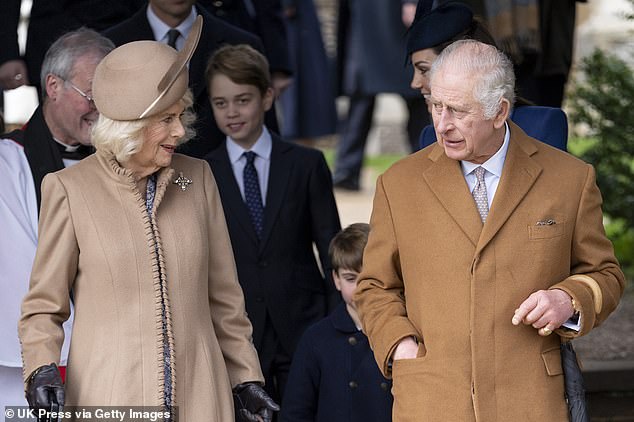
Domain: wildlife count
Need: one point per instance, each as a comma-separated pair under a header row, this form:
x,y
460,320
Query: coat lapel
x,y
518,176
446,181
279,176
231,196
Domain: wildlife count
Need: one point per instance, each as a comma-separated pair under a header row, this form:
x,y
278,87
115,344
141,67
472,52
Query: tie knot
x,y
172,36
250,155
479,173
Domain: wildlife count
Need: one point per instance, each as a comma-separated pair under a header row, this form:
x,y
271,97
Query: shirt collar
x,y
495,164
159,28
262,147
67,148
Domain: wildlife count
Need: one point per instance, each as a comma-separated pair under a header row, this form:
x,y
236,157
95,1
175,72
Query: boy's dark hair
x,y
241,63
346,248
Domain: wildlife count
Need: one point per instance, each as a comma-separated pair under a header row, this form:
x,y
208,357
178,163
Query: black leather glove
x,y
252,404
45,389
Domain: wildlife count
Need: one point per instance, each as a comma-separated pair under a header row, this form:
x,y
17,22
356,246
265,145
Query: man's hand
x,y
252,404
45,389
545,310
13,74
407,348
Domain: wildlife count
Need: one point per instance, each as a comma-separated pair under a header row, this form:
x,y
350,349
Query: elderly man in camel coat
x,y
469,274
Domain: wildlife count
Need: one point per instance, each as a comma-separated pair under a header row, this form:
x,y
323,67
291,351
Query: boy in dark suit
x,y
278,203
334,377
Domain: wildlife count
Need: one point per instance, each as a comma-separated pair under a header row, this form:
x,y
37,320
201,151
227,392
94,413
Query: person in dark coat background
x,y
48,20
541,71
334,377
370,62
265,19
308,105
215,34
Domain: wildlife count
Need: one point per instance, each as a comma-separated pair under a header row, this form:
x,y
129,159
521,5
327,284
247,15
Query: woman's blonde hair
x,y
124,138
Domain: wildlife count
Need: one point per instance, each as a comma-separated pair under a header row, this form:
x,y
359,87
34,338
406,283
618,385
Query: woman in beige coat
x,y
135,236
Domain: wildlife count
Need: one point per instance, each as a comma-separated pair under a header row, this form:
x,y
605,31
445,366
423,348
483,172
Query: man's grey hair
x,y
491,67
62,55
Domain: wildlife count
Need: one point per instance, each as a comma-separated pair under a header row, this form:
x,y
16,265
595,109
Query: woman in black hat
x,y
433,30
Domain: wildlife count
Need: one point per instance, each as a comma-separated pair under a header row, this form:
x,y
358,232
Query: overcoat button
x,y
353,384
384,386
352,341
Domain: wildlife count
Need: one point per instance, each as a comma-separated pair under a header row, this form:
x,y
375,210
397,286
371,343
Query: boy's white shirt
x,y
262,148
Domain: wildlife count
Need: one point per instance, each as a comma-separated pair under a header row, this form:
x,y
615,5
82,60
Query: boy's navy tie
x,y
252,194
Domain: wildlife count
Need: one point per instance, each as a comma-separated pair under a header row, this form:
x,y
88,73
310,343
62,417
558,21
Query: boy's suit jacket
x,y
215,33
280,274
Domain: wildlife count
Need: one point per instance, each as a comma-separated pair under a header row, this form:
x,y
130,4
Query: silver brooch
x,y
182,181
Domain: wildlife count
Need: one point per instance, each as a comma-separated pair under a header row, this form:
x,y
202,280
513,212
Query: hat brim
x,y
437,26
183,57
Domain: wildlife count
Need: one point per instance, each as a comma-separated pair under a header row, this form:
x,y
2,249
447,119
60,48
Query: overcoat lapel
x,y
231,191
518,176
446,181
279,177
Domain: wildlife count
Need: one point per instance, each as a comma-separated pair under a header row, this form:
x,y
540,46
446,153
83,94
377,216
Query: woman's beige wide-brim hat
x,y
143,78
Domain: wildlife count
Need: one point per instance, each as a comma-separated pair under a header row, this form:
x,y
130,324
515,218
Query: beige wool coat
x,y
96,242
432,270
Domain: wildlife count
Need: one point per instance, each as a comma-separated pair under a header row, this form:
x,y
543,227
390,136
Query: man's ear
x,y
269,95
503,114
53,86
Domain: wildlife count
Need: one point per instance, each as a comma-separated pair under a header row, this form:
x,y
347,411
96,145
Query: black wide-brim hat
x,y
433,27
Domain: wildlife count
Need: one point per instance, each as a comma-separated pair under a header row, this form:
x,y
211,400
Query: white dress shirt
x,y
160,28
262,162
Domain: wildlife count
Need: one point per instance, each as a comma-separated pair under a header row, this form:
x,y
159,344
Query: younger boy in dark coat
x,y
334,377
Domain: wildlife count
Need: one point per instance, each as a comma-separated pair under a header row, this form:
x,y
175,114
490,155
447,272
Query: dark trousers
x,y
275,363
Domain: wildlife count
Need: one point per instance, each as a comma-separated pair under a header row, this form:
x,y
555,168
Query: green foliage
x,y
602,103
378,164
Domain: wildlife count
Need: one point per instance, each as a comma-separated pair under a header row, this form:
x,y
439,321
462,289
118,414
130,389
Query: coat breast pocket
x,y
547,228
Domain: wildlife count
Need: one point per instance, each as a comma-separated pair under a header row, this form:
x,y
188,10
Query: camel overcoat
x,y
432,270
96,243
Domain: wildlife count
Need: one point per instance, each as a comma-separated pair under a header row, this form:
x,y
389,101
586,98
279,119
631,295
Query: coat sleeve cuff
x,y
588,298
